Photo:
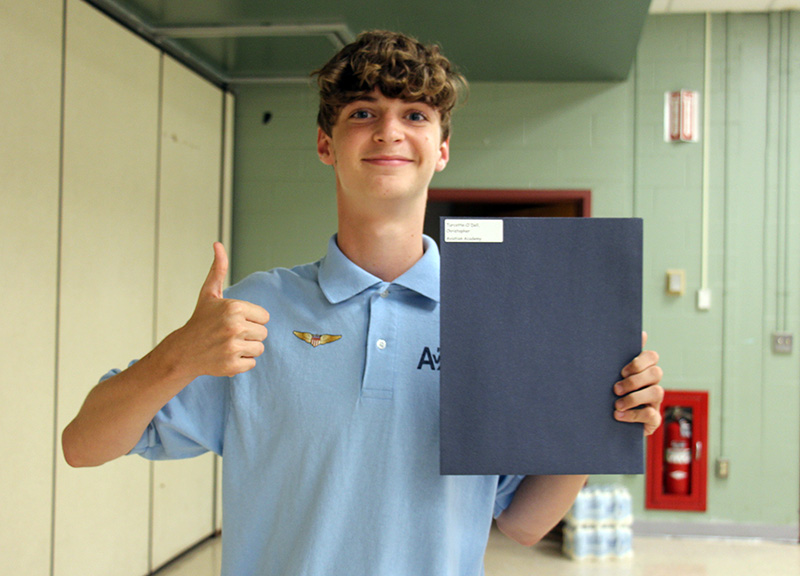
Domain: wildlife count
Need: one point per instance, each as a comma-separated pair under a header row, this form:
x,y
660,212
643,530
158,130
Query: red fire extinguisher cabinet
x,y
677,454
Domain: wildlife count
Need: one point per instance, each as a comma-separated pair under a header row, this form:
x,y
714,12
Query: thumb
x,y
215,281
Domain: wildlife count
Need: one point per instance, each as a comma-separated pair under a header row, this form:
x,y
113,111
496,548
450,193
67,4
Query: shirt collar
x,y
340,278
423,277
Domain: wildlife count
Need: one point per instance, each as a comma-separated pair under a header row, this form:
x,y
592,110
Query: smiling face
x,y
384,149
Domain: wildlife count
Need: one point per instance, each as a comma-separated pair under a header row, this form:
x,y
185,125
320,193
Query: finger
x,y
252,349
240,365
648,416
647,377
651,395
641,363
215,281
255,332
644,339
244,311
256,314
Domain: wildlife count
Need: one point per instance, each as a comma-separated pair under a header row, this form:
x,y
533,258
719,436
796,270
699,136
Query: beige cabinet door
x,y
188,224
111,105
227,220
30,104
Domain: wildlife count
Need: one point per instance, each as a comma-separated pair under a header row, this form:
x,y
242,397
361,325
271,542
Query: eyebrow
x,y
364,98
369,98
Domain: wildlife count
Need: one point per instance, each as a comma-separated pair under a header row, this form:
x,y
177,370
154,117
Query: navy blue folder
x,y
535,328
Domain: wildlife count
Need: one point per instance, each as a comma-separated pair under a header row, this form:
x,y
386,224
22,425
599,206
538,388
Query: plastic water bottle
x,y
581,511
623,506
623,545
604,505
579,542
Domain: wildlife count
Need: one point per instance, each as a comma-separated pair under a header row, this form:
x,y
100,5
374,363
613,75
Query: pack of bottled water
x,y
598,526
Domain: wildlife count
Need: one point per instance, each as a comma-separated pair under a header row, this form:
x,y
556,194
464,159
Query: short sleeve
x,y
506,488
190,424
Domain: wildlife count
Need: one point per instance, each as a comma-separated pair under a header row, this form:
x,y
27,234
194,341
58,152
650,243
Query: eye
x,y
417,116
361,115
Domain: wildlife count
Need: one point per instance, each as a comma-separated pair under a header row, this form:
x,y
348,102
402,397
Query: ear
x,y
325,147
444,154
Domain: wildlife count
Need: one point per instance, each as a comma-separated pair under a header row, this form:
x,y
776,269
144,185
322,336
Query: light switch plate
x,y
676,281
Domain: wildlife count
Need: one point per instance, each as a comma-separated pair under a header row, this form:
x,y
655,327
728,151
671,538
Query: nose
x,y
389,129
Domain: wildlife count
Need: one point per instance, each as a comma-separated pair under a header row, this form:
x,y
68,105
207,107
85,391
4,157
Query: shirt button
x,y
381,344
385,293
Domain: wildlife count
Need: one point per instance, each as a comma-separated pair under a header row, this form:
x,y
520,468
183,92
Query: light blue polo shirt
x,y
330,444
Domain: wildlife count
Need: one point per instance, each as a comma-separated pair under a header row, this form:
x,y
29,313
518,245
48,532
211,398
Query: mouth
x,y
387,160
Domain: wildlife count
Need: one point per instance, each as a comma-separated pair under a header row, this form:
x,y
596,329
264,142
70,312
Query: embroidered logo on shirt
x,y
316,339
429,359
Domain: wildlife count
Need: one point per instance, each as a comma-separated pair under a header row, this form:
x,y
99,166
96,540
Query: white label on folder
x,y
465,230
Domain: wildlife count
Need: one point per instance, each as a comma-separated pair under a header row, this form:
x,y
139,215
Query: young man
x,y
329,432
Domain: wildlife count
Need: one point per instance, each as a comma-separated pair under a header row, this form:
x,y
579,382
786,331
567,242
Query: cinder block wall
x,y
608,137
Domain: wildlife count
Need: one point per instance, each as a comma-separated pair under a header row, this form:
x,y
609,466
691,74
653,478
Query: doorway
x,y
502,202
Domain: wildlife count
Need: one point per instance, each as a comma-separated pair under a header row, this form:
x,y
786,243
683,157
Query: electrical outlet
x,y
782,342
723,467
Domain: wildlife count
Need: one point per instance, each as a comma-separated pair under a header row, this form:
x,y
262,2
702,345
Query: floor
x,y
652,557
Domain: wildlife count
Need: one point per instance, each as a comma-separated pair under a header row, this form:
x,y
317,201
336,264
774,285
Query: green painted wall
x,y
609,138
753,262
284,198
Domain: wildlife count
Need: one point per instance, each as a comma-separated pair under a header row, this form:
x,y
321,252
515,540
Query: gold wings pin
x,y
316,339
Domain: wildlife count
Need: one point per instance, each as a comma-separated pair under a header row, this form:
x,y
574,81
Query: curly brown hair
x,y
396,64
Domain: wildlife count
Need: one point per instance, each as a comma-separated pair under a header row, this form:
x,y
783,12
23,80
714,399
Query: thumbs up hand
x,y
215,281
223,337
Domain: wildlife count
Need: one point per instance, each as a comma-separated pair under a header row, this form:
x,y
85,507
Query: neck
x,y
385,246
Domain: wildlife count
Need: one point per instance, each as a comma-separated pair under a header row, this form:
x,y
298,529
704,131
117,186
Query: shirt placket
x,y
381,351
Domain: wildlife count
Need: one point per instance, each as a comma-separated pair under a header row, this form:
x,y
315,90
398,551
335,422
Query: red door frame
x,y
582,198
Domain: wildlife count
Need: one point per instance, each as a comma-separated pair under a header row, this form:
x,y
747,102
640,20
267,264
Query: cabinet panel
x,y
189,222
30,49
107,277
227,220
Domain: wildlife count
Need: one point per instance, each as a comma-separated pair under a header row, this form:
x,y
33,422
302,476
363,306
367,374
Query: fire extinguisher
x,y
678,452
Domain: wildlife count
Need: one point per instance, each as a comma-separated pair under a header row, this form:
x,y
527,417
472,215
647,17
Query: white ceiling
x,y
683,6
